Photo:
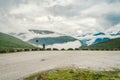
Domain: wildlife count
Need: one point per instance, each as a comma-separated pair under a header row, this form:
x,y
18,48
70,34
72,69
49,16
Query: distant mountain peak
x,y
98,40
98,34
110,44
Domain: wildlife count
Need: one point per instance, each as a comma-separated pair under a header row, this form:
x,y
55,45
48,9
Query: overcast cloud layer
x,y
67,16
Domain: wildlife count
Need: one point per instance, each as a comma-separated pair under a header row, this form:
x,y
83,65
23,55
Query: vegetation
x,y
11,44
49,49
52,40
111,44
76,75
55,49
63,49
70,49
77,49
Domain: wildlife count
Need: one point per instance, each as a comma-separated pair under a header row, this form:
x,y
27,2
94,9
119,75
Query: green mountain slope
x,y
111,44
7,41
52,40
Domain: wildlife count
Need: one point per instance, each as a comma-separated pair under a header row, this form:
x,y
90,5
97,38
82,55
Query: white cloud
x,y
24,8
102,9
73,17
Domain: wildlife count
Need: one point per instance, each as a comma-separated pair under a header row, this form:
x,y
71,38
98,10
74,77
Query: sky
x,y
65,16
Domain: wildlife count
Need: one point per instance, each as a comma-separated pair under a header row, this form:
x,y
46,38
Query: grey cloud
x,y
112,1
8,3
45,14
113,19
66,11
71,10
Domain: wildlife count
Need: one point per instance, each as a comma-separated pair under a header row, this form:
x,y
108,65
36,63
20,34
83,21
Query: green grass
x,y
113,44
76,75
8,42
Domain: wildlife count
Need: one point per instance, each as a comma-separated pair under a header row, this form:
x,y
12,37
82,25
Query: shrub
x,y
12,50
92,49
49,49
35,49
55,49
77,49
85,49
102,49
18,50
115,49
26,49
39,49
97,49
62,49
70,49
107,49
4,51
43,49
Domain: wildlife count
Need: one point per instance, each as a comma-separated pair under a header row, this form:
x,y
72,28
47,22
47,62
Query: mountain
x,y
54,38
32,33
7,41
93,38
51,39
110,44
98,34
98,40
115,34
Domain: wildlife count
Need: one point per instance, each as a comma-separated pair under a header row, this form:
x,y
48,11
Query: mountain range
x,y
93,38
56,39
110,44
51,39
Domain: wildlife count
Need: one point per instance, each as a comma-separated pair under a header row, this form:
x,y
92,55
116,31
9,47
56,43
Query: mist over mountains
x,y
50,38
60,40
79,22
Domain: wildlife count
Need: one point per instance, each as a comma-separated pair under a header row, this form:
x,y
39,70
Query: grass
x,y
113,44
8,43
76,75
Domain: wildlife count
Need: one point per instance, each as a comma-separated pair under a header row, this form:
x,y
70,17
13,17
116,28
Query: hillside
x,y
94,38
57,42
52,40
111,44
7,41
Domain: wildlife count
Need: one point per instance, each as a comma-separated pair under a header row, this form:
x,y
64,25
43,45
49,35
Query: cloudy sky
x,y
67,16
